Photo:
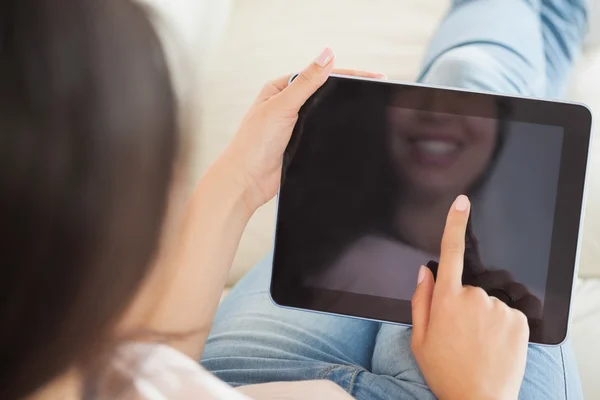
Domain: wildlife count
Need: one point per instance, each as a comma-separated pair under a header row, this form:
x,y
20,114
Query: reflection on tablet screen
x,y
369,186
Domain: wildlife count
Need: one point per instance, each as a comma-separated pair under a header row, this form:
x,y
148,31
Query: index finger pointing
x,y
453,245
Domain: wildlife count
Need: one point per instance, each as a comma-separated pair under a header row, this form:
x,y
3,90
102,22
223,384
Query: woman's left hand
x,y
244,177
255,154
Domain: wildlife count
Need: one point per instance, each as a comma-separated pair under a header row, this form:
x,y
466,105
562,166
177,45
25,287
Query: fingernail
x,y
461,203
325,57
381,76
421,275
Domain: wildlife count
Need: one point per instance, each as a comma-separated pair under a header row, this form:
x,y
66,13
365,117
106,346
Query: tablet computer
x,y
372,169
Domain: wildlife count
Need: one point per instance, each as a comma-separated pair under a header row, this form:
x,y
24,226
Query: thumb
x,y
421,304
307,82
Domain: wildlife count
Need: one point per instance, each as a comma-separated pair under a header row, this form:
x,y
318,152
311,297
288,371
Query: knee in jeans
x,y
473,67
454,67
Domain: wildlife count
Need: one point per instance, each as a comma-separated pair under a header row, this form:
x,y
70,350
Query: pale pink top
x,y
159,372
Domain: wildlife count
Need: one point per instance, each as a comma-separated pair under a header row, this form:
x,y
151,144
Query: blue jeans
x,y
507,46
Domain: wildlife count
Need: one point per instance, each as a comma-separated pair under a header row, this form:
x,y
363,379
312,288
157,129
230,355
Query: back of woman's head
x,y
88,139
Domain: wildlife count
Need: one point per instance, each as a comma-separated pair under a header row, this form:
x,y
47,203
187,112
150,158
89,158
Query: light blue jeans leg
x,y
508,46
254,341
524,47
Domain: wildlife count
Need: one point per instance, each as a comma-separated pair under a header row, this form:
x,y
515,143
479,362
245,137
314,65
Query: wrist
x,y
237,170
227,181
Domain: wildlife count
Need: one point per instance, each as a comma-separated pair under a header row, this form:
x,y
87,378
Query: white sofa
x,y
262,39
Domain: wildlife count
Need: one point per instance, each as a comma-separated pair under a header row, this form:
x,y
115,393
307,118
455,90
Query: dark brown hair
x,y
88,142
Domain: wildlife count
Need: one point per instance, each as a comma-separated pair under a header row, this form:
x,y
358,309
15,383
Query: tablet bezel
x,y
552,329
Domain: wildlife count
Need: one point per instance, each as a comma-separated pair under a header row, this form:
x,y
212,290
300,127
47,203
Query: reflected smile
x,y
435,147
436,152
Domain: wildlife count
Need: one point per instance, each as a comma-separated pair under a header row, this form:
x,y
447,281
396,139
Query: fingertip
x,y
421,275
424,281
428,279
325,58
462,203
421,302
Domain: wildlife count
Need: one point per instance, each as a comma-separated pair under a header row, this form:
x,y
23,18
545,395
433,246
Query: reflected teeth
x,y
436,147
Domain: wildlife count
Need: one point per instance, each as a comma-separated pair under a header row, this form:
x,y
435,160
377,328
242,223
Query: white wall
x,y
191,31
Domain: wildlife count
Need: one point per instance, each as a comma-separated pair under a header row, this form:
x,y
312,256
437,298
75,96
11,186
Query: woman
x,y
110,284
475,47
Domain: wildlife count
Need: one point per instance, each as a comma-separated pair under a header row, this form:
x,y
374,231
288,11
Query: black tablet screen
x,y
371,173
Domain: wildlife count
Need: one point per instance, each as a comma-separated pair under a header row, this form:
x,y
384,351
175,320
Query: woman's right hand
x,y
468,345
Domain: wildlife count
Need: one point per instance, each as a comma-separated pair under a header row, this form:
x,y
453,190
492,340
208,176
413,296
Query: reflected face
x,y
440,154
